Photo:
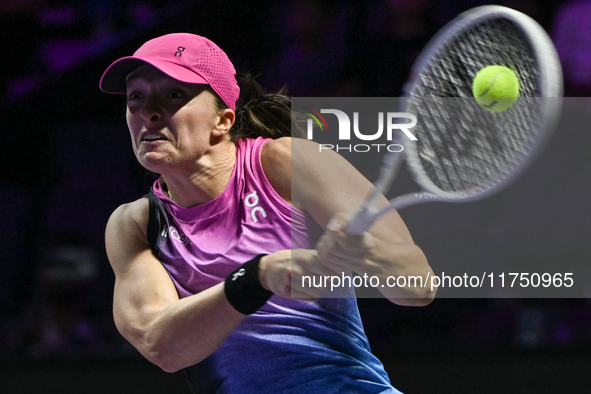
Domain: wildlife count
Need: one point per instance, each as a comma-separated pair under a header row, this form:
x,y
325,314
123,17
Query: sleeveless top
x,y
288,346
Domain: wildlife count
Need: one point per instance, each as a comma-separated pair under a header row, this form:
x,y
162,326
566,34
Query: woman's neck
x,y
203,184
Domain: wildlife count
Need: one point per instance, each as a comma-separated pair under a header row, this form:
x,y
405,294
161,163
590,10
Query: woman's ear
x,y
226,119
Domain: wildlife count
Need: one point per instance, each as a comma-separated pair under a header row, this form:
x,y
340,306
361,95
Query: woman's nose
x,y
152,111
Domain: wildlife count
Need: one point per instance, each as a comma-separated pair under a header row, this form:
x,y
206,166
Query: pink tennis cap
x,y
185,57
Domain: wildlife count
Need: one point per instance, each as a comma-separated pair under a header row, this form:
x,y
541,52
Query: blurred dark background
x,y
66,164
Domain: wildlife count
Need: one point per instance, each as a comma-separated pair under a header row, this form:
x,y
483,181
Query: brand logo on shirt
x,y
252,200
173,233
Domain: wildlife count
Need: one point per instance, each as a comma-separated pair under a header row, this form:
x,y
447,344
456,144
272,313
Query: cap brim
x,y
114,77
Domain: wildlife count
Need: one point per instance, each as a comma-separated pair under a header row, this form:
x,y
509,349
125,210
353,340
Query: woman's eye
x,y
176,94
133,96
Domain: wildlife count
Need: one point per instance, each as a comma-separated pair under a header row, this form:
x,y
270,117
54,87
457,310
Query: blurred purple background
x,y
66,164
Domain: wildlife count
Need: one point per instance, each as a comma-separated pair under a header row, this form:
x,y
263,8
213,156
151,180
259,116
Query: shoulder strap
x,y
156,220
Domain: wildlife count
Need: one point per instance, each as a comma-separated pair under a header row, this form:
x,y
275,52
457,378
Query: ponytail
x,y
260,114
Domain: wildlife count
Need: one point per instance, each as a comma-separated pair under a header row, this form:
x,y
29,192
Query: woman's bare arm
x,y
329,188
173,333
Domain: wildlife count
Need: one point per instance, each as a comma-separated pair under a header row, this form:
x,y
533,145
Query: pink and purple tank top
x,y
288,346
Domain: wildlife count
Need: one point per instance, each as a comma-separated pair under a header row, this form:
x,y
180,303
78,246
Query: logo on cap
x,y
179,51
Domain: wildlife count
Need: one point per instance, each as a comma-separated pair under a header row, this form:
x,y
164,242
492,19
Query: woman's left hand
x,y
341,251
325,185
381,257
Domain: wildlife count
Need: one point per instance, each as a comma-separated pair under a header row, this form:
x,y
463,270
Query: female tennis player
x,y
204,263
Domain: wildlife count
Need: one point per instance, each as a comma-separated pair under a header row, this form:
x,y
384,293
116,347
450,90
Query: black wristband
x,y
244,290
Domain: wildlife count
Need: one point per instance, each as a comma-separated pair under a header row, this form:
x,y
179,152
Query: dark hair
x,y
260,114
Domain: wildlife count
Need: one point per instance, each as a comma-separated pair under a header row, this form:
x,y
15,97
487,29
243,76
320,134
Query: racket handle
x,y
360,222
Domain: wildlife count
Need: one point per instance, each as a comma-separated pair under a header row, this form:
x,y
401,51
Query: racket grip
x,y
360,222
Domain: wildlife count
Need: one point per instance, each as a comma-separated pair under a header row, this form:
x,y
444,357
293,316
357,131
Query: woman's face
x,y
171,122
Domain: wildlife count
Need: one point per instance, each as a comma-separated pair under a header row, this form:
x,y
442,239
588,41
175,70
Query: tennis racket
x,y
464,152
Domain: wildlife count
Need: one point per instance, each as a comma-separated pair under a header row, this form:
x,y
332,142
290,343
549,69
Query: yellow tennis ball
x,y
496,88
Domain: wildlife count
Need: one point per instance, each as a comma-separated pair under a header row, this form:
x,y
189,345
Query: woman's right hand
x,y
282,272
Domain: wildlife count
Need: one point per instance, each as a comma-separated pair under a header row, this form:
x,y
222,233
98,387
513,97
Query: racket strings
x,y
461,146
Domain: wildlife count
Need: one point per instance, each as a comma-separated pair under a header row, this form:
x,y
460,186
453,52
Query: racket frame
x,y
550,96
